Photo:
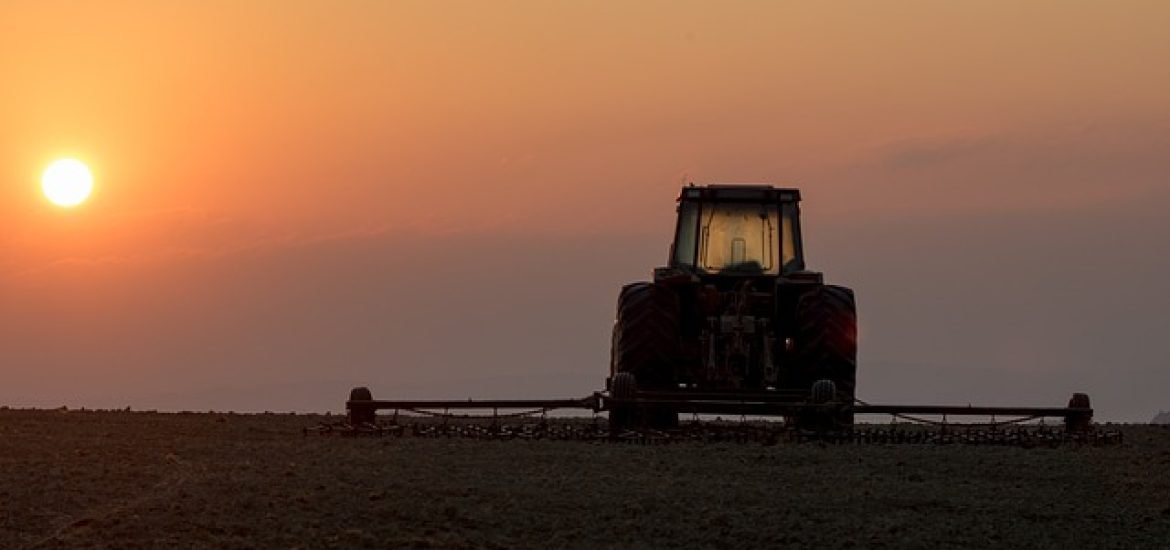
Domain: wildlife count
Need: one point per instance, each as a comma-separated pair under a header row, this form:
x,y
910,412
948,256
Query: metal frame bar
x,y
432,404
768,404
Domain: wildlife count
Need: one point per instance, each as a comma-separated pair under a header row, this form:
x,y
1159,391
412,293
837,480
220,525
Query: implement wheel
x,y
1081,422
826,342
361,415
647,343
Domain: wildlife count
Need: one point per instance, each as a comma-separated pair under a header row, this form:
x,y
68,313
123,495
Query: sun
x,y
67,182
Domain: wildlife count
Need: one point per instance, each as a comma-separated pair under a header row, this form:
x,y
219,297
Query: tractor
x,y
733,324
734,311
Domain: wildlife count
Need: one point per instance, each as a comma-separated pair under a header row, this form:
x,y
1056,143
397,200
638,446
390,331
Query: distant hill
x,y
1163,417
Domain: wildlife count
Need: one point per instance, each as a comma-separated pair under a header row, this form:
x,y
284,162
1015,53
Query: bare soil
x,y
124,479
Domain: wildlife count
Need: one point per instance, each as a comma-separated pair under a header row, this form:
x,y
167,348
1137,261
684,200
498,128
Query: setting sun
x,y
67,182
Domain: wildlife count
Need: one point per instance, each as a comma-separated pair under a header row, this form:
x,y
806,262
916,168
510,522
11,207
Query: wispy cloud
x,y
154,237
928,153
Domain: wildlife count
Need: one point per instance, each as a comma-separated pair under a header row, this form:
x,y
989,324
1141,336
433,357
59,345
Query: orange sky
x,y
302,114
221,129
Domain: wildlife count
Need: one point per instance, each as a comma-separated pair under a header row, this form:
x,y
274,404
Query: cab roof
x,y
739,192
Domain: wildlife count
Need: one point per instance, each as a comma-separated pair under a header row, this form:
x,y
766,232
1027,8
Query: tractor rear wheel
x,y
826,341
647,342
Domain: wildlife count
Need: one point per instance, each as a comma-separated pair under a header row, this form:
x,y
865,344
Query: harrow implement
x,y
528,419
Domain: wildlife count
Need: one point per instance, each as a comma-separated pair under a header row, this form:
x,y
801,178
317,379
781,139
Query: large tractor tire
x,y
826,342
647,343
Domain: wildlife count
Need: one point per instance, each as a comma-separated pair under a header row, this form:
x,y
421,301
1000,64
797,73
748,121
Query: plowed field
x,y
128,479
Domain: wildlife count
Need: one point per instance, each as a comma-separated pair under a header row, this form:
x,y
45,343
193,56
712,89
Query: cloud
x,y
1070,167
925,154
159,237
1129,152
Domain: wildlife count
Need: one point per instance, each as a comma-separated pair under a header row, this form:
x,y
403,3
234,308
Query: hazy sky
x,y
443,198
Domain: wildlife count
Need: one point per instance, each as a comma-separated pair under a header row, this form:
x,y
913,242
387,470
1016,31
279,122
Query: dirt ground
x,y
126,480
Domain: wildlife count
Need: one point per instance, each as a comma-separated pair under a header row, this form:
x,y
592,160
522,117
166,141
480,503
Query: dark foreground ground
x,y
120,479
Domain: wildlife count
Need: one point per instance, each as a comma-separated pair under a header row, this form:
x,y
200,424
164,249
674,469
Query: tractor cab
x,y
738,230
